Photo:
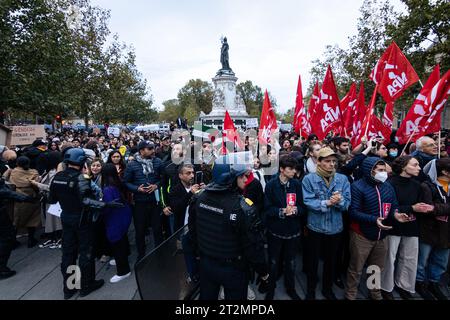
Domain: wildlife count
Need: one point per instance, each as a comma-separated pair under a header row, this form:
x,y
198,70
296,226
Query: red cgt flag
x,y
300,123
417,113
393,73
328,112
229,134
268,122
348,108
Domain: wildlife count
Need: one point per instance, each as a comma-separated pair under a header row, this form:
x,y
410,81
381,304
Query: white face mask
x,y
381,176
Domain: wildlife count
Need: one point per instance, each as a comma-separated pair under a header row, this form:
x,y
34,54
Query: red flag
x,y
367,118
229,134
328,110
300,123
393,73
388,118
358,116
268,122
377,129
348,107
313,102
434,104
416,114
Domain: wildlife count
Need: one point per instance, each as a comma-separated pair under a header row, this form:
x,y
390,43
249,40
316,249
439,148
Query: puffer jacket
x,y
134,176
370,200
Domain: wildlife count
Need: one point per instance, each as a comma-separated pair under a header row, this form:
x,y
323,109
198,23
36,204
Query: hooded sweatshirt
x,y
371,199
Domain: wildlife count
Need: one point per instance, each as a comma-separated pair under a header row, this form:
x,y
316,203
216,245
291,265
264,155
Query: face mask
x,y
381,176
393,154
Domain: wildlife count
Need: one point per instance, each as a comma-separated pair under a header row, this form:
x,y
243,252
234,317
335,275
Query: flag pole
x,y
439,144
409,140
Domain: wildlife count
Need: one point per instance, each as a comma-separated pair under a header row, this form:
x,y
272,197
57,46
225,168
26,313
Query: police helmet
x,y
75,156
224,173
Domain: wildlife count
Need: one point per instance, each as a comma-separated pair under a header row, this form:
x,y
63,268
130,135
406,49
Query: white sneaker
x,y
221,294
46,244
250,293
117,278
112,262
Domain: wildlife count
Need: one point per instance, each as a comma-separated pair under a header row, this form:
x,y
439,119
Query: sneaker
x,y
46,244
69,294
329,295
422,290
117,278
221,294
112,262
436,291
250,294
405,295
270,295
56,245
293,294
6,273
104,259
96,284
387,295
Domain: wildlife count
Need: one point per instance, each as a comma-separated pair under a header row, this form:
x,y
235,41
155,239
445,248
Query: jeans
x,y
432,263
286,250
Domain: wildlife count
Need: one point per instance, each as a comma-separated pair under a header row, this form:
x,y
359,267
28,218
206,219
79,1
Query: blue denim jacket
x,y
323,219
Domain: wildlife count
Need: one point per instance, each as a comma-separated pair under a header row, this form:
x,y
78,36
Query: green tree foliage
x,y
55,63
196,95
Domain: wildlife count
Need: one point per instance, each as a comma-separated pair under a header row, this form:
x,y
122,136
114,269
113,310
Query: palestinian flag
x,y
204,132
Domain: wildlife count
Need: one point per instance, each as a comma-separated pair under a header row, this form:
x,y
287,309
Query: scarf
x,y
311,166
147,164
326,176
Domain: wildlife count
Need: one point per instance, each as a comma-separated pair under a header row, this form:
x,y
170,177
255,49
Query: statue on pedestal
x,y
224,58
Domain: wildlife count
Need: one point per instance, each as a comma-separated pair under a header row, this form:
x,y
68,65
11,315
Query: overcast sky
x,y
271,41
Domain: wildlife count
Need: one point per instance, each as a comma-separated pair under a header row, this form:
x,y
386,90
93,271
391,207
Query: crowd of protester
x,y
375,204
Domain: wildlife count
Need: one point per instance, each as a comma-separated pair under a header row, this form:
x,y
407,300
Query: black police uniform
x,y
7,233
73,191
226,233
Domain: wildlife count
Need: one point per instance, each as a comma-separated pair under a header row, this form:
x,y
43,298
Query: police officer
x,y
7,233
72,190
226,234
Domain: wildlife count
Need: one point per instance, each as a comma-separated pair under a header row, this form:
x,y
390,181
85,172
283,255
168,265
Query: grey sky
x,y
271,42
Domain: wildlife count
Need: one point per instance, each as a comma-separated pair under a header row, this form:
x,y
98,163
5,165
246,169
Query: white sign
x,y
114,131
25,135
251,123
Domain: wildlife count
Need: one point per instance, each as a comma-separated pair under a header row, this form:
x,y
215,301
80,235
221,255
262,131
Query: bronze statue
x,y
224,59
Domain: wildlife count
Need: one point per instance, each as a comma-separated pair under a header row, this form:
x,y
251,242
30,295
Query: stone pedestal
x,y
225,98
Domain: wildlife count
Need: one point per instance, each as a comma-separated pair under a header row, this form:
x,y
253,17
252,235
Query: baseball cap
x,y
326,152
145,144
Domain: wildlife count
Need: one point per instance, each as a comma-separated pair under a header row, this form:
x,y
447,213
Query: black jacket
x,y
408,192
433,228
178,201
255,192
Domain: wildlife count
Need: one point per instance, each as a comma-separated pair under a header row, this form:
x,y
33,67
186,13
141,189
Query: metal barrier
x,y
162,274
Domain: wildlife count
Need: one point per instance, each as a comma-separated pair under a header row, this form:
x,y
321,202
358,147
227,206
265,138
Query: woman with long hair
x,y
116,158
117,221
